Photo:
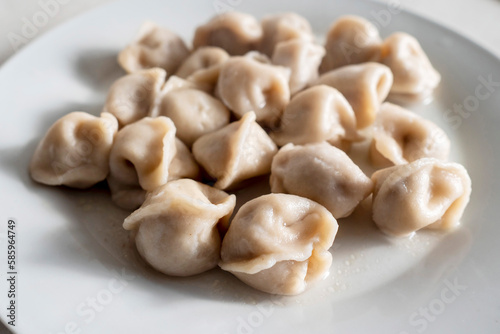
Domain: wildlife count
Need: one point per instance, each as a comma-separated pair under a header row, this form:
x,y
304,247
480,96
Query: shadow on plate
x,y
98,68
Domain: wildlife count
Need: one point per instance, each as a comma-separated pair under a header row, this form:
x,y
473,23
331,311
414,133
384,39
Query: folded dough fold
x,y
320,113
427,193
239,151
401,136
278,243
365,86
154,47
176,227
75,150
322,173
134,96
351,40
237,33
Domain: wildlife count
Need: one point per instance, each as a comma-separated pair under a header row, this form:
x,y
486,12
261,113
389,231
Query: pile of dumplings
x,y
185,128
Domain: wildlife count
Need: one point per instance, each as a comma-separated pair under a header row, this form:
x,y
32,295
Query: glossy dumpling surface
x,y
154,47
237,33
322,173
140,159
302,58
425,193
246,84
316,114
194,113
75,150
202,67
133,96
401,136
239,151
279,243
283,27
202,59
413,72
351,40
176,227
365,86
183,164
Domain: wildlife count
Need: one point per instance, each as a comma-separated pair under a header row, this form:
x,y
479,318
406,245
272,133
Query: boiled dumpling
x,y
133,96
175,83
176,227
303,59
237,33
258,57
202,59
351,40
140,159
206,80
183,164
317,114
322,173
283,27
246,84
203,67
400,136
154,47
425,193
147,150
239,151
279,243
131,196
365,86
194,113
412,70
75,151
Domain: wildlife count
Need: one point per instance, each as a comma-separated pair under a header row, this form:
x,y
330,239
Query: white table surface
x,y
476,19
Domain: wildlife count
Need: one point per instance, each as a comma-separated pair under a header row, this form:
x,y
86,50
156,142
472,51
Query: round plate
x,y
78,273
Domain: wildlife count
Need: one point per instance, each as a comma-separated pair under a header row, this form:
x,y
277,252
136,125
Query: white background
x,y
476,19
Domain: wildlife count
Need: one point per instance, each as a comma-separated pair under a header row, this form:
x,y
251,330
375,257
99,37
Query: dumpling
x,y
425,193
140,159
176,227
154,47
237,33
131,196
239,151
350,40
175,83
133,96
400,136
412,70
279,243
283,27
75,151
303,59
194,113
317,114
258,57
365,86
203,67
322,173
202,59
246,84
206,80
183,164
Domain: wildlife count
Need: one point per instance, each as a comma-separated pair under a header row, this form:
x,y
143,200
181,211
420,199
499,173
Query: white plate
x,y
71,247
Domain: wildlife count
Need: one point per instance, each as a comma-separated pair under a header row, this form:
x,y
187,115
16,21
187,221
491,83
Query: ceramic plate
x,y
76,271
